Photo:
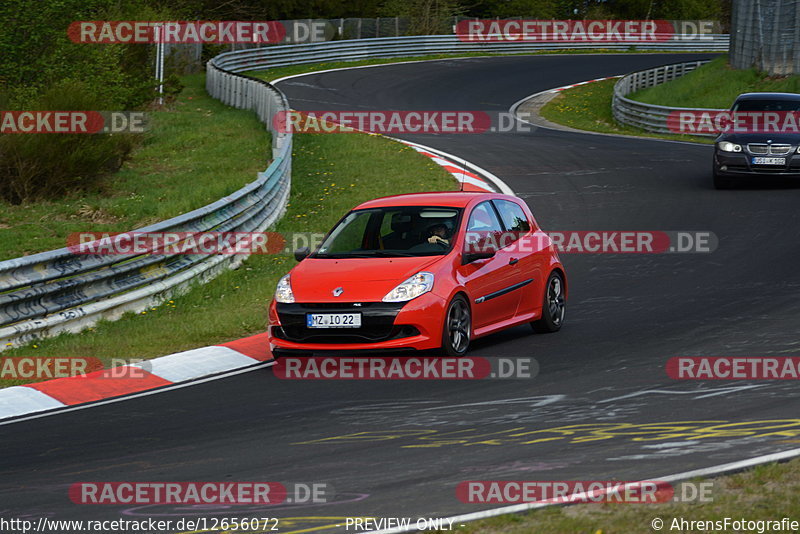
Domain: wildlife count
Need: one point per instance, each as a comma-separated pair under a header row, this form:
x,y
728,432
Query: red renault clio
x,y
420,271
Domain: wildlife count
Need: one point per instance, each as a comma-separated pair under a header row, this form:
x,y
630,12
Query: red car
x,y
420,271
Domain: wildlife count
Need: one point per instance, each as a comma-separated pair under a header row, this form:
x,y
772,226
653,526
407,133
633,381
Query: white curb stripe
x,y
19,400
187,366
195,363
257,365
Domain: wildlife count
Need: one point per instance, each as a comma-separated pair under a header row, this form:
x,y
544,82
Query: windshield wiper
x,y
386,254
368,254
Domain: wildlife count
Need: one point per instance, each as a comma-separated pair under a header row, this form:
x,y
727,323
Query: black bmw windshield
x,y
766,105
397,231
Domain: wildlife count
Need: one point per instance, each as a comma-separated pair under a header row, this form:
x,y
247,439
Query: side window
x,y
513,216
483,219
483,229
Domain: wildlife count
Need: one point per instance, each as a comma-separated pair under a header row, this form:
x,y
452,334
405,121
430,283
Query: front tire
x,y
457,328
554,306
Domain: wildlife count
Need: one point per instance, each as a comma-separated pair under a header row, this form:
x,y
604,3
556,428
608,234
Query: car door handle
x,y
513,261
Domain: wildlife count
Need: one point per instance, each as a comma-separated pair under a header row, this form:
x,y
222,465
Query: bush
x,y
44,166
41,69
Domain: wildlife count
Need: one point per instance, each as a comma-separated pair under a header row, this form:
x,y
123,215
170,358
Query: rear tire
x,y
554,306
457,328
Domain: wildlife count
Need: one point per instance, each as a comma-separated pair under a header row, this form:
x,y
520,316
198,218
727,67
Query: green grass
x,y
767,492
331,174
715,85
588,107
193,155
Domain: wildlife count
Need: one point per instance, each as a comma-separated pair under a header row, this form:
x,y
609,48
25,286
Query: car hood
x,y
361,279
745,138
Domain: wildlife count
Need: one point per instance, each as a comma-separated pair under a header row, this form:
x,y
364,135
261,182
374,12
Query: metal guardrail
x,y
649,117
420,45
56,291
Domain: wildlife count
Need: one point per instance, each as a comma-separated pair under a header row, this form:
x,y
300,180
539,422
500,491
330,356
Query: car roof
x,y
454,199
768,96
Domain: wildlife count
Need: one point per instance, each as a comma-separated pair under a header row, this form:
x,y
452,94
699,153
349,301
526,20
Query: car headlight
x,y
727,146
283,293
410,289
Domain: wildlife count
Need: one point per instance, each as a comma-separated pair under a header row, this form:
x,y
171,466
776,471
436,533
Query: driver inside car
x,y
438,234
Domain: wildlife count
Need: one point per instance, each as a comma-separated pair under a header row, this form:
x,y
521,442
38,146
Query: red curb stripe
x,y
459,172
469,187
99,385
256,347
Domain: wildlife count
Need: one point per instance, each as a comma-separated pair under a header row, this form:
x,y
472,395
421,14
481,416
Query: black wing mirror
x,y
301,253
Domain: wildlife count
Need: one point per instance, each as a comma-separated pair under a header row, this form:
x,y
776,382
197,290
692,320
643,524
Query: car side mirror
x,y
469,257
301,253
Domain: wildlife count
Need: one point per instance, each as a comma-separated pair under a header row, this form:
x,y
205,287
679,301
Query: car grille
x,y
377,323
772,150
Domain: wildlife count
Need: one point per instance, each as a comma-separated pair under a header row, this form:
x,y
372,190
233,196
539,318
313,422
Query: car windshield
x,y
766,105
395,231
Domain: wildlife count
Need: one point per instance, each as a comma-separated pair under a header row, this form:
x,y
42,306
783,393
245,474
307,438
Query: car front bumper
x,y
740,164
416,324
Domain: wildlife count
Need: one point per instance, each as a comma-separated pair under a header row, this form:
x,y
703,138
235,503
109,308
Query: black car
x,y
774,153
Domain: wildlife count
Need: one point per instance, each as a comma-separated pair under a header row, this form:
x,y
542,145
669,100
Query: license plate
x,y
333,320
769,161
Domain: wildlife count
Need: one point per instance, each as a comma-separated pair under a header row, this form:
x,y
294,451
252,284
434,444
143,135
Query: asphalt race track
x,y
400,448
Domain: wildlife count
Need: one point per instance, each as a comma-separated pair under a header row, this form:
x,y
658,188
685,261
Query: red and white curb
x,y
565,87
179,368
469,180
472,177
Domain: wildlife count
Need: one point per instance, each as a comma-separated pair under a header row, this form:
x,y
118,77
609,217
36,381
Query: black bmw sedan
x,y
763,141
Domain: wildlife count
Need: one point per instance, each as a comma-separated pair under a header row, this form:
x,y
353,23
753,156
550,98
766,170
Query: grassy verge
x,y
588,107
767,492
715,85
331,174
192,156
